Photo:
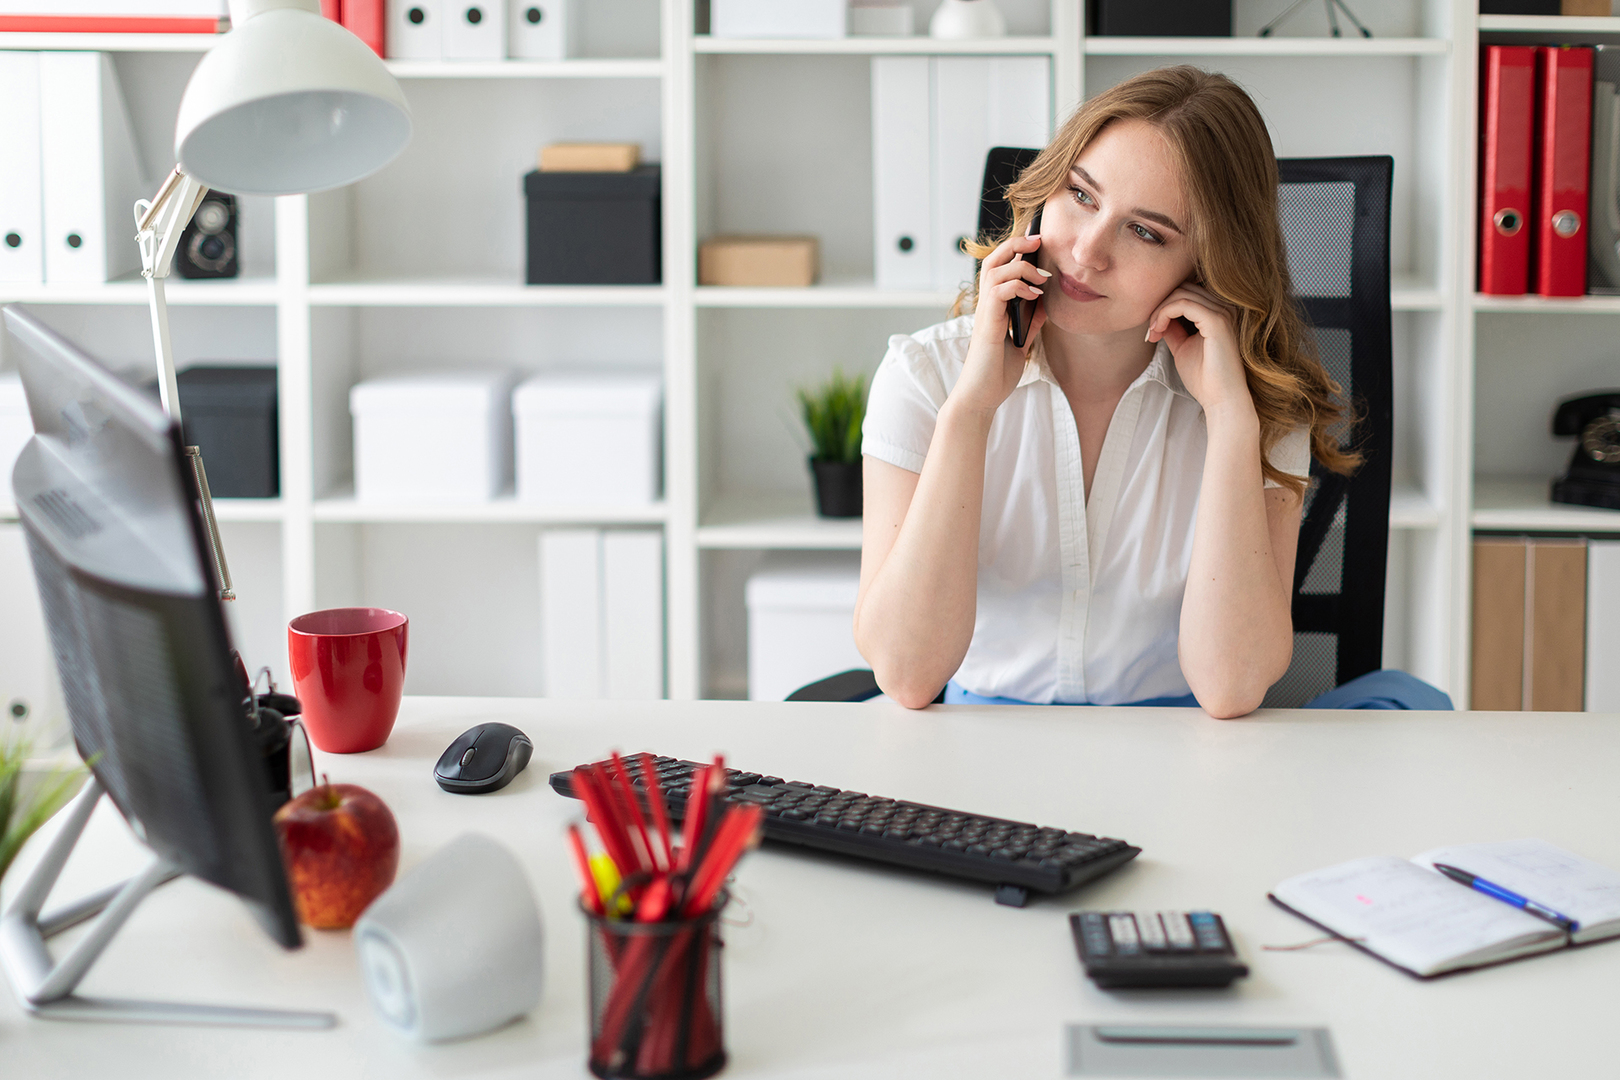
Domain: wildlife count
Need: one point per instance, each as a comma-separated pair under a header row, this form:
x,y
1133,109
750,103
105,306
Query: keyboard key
x,y
1147,924
1122,928
1208,931
1177,930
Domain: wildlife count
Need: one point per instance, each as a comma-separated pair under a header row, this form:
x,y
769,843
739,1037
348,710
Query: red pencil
x,y
660,812
582,863
737,833
601,814
637,825
697,810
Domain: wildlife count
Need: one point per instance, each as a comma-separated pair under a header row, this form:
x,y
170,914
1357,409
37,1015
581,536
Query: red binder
x,y
109,24
1507,115
1563,170
364,19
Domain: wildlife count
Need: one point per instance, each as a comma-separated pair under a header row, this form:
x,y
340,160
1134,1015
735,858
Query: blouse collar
x,y
1161,369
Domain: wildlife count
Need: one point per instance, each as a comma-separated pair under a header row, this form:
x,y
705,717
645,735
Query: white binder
x,y
633,613
30,692
979,102
414,29
1602,631
571,612
22,253
474,29
541,30
89,171
902,199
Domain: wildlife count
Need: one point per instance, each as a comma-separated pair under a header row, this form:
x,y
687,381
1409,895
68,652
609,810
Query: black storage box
x,y
594,228
230,414
1161,18
1520,7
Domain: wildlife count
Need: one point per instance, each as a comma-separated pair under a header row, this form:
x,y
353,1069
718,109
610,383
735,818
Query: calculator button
x,y
1210,938
1177,930
1123,930
1147,924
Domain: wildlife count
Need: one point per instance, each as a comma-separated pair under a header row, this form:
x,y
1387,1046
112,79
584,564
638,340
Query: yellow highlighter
x,y
606,874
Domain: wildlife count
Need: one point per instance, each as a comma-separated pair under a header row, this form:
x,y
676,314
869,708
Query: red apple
x,y
341,848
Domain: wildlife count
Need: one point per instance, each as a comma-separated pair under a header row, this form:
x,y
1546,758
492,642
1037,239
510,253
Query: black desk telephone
x,y
1593,478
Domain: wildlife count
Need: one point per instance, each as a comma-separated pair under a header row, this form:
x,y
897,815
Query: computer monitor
x,y
154,699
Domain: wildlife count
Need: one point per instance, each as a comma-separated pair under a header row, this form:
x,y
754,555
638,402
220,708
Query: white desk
x,y
859,972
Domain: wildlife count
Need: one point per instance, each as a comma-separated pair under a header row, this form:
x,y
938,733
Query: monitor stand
x,y
45,986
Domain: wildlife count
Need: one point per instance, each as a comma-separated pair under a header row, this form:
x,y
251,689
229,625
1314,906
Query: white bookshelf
x,y
422,265
1344,47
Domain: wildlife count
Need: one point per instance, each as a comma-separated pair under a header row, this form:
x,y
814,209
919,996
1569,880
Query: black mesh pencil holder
x,y
655,997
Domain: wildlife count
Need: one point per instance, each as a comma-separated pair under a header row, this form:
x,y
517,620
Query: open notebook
x,y
1407,913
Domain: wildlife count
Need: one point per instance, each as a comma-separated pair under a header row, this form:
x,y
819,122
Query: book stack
x,y
1542,637
114,16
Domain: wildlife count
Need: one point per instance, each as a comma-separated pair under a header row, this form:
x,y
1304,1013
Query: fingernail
x,y
1043,273
1149,336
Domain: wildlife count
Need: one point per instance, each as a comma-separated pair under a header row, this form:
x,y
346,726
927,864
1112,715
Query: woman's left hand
x,y
1209,363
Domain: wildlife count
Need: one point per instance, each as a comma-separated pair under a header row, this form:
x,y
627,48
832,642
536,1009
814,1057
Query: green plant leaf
x,y
833,413
21,817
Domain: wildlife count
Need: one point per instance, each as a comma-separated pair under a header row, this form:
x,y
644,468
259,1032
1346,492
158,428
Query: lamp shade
x,y
288,102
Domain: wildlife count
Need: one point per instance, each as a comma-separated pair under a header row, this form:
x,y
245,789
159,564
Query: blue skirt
x,y
1374,690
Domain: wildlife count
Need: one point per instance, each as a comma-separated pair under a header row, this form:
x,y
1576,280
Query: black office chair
x,y
1335,218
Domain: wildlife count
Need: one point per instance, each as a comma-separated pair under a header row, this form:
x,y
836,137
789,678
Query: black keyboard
x,y
1015,856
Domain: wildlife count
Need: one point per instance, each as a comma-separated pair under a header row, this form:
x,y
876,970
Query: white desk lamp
x,y
287,103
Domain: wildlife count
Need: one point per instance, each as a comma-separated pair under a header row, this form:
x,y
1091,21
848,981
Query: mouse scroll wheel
x,y
468,756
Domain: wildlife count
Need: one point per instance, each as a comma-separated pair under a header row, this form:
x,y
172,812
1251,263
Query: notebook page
x,y
1412,916
1586,891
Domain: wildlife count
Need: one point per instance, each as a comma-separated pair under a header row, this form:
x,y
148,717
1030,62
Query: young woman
x,y
1108,516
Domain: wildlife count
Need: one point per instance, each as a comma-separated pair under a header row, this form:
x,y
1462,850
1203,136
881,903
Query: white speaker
x,y
453,948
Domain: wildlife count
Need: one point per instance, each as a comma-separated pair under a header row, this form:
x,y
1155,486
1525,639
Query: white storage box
x,y
435,437
16,427
777,18
589,439
801,611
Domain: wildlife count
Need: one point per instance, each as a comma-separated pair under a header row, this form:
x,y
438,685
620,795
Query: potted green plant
x,y
833,412
27,803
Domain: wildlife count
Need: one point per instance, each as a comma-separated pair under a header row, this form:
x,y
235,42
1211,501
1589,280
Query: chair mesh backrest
x,y
1335,221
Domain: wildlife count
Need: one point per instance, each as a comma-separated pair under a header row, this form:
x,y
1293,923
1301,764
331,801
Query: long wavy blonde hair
x,y
1225,154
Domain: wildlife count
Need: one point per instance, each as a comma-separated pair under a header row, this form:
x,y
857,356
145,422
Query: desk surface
x,y
843,971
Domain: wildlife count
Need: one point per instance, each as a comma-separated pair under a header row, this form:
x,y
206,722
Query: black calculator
x,y
1121,949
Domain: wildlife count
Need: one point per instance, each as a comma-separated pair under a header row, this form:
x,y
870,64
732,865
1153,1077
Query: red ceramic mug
x,y
348,671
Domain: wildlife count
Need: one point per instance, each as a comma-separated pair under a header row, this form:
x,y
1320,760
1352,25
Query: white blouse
x,y
1078,601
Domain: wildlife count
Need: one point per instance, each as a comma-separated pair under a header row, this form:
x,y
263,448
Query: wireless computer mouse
x,y
483,759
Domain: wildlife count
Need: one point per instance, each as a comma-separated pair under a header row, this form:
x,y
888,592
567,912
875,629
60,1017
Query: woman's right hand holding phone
x,y
994,364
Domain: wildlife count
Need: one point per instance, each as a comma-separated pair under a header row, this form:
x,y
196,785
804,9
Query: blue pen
x,y
1473,881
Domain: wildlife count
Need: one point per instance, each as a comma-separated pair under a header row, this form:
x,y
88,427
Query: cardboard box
x,y
433,437
589,157
754,261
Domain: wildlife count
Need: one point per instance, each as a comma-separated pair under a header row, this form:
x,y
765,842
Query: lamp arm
x,y
159,223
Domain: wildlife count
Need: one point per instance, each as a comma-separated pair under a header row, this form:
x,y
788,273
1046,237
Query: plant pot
x,y
838,487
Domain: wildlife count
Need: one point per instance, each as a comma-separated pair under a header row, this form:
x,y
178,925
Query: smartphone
x,y
1021,312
